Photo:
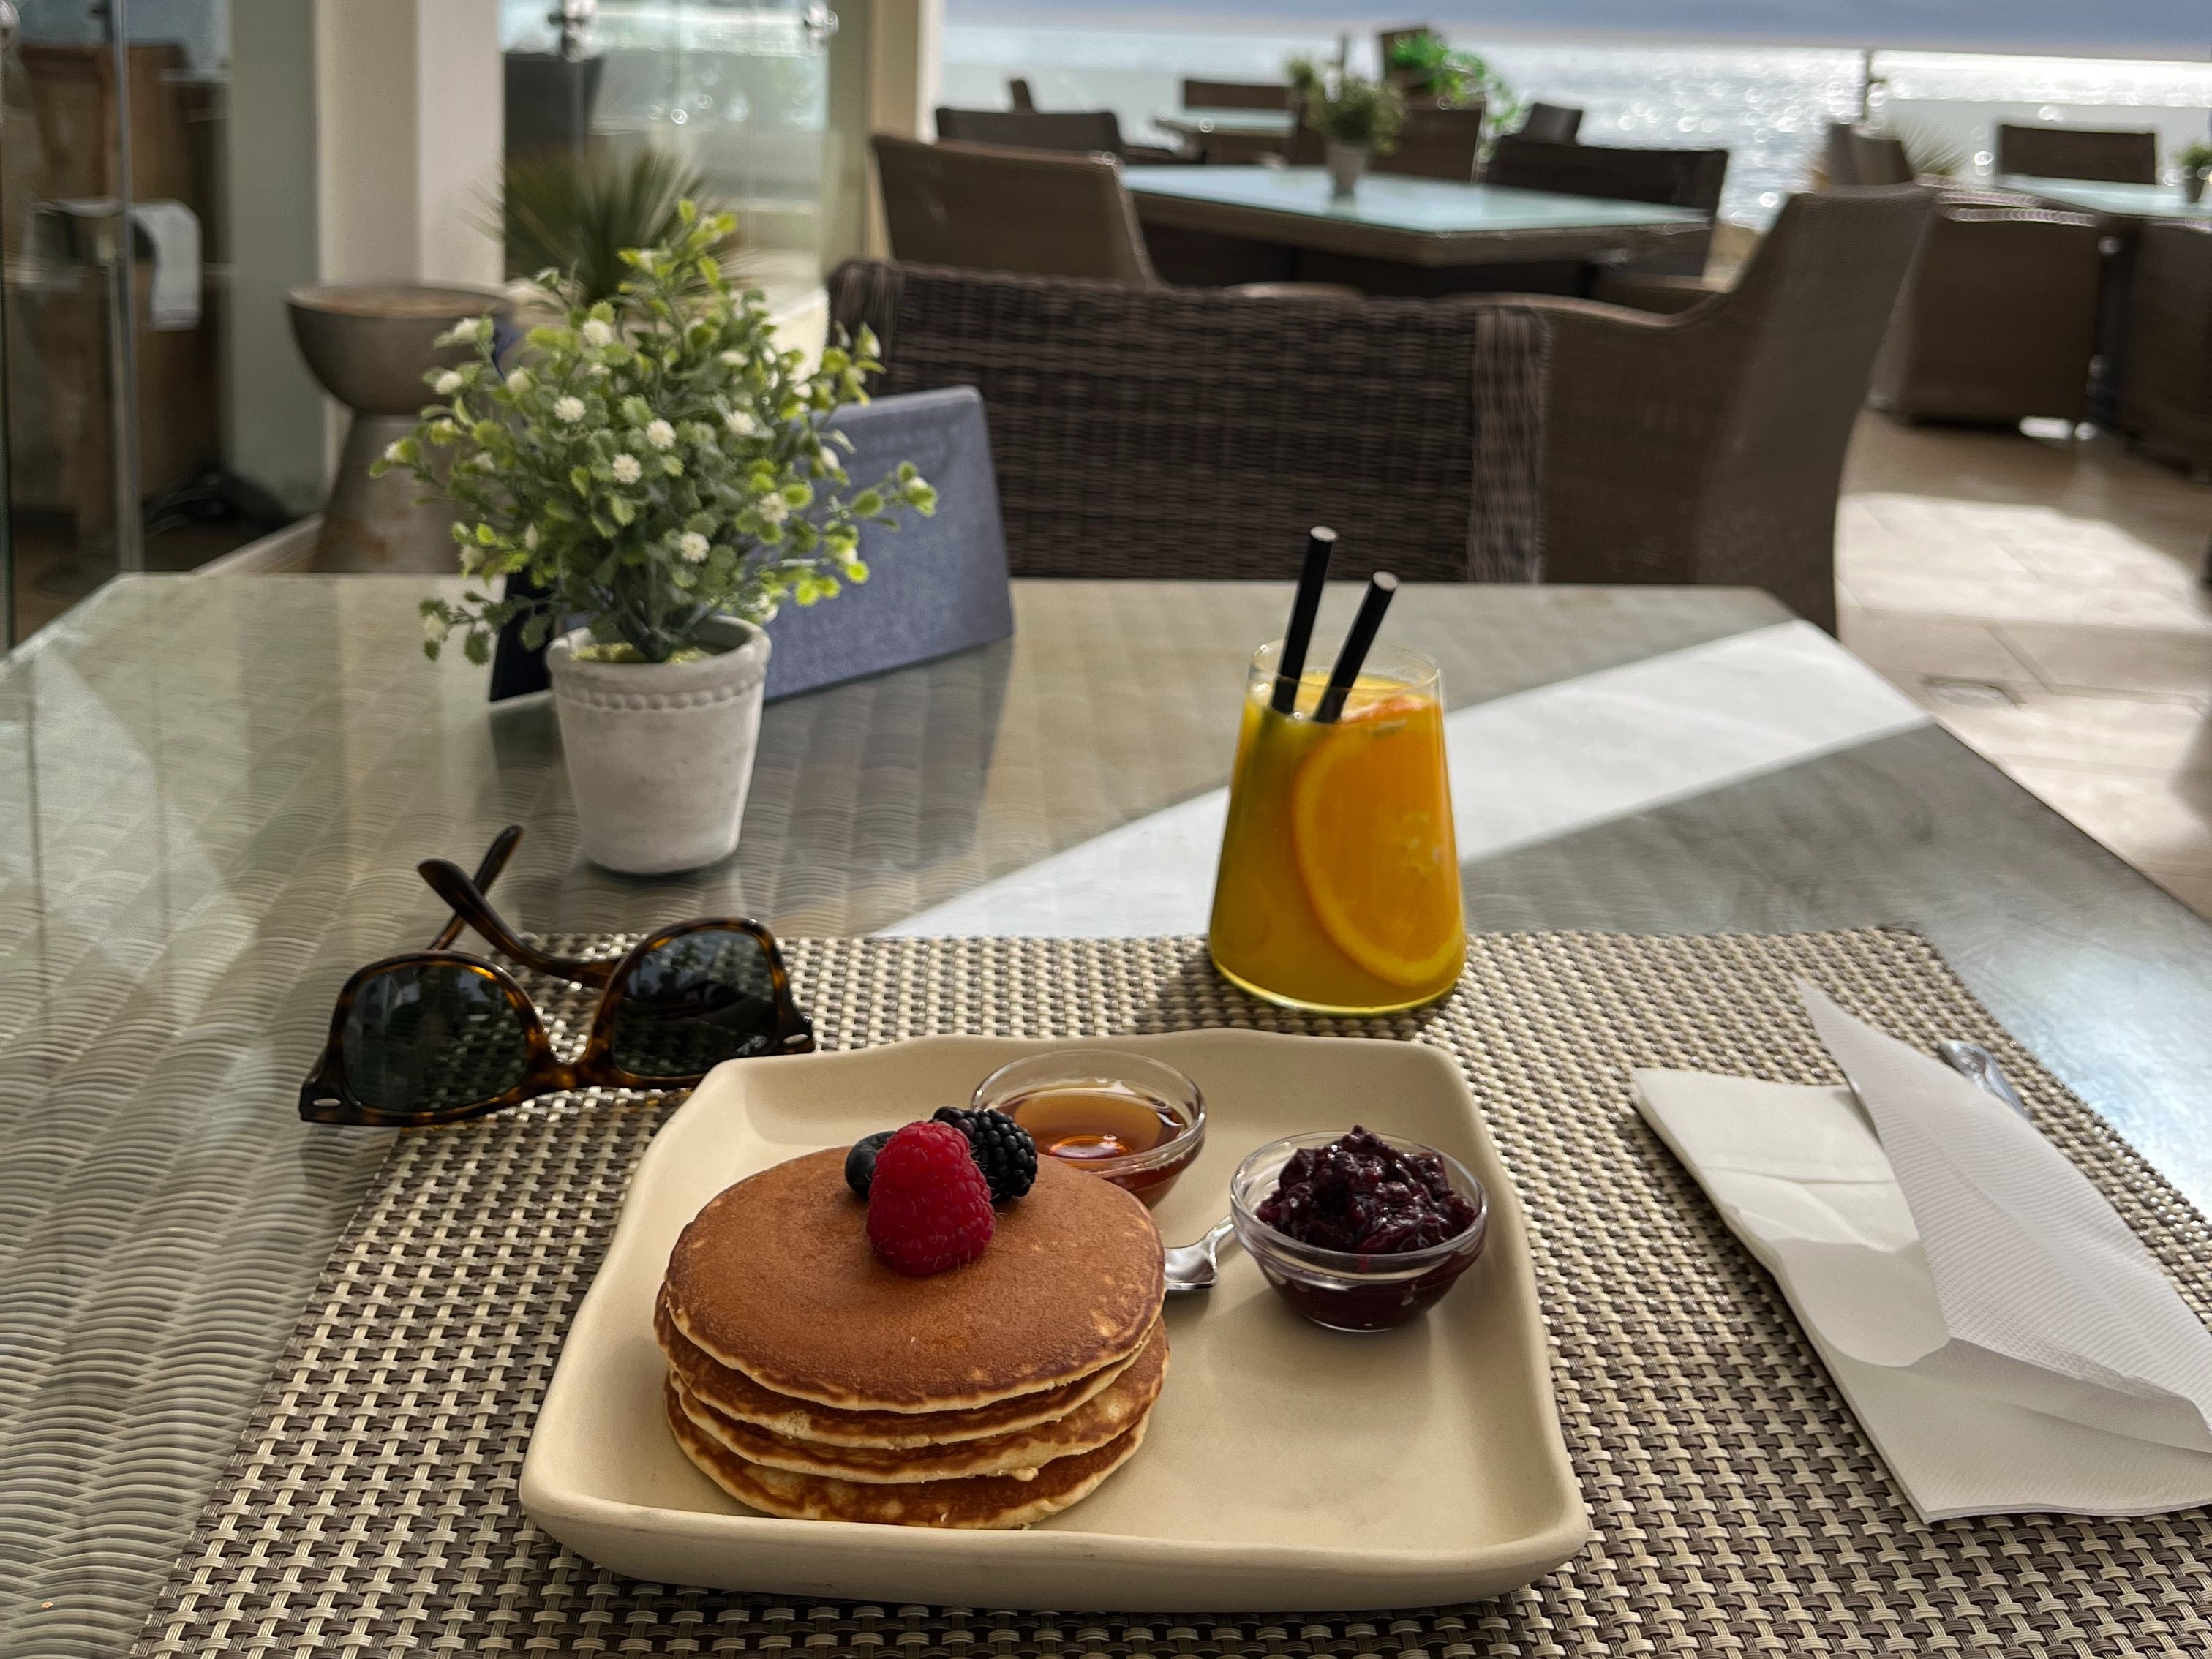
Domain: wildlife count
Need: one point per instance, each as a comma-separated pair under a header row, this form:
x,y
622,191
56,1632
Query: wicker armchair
x,y
2044,152
1432,143
1235,94
1999,321
1083,131
2166,396
1010,209
1675,177
1188,432
1708,446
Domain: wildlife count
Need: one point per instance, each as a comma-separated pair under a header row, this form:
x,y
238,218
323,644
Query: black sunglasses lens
x,y
432,1037
692,1002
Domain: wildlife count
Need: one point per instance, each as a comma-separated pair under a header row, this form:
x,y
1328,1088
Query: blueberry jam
x,y
1362,1196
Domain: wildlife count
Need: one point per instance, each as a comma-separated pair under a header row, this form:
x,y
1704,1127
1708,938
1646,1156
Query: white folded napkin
x,y
2006,1341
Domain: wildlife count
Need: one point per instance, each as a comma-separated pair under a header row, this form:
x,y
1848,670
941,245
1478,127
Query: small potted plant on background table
x,y
654,464
2196,164
1357,119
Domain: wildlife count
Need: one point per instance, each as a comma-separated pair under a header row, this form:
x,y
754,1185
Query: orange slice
x,y
1371,823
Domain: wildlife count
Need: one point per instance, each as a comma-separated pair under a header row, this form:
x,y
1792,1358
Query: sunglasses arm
x,y
453,884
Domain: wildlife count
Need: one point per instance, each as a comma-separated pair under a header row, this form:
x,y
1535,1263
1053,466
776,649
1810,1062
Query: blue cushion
x,y
935,586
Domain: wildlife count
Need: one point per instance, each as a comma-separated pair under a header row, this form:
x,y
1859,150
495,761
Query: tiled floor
x,y
2044,600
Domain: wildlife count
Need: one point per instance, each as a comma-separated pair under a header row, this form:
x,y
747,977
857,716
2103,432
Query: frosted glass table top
x,y
1238,122
213,791
1396,202
2119,201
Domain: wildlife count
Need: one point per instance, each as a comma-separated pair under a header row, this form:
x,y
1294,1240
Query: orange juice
x,y
1339,886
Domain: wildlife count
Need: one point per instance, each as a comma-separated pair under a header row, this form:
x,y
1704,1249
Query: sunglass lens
x,y
427,1038
692,1002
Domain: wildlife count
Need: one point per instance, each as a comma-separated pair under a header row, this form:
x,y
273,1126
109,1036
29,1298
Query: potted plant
x,y
2196,161
655,465
1422,63
1357,119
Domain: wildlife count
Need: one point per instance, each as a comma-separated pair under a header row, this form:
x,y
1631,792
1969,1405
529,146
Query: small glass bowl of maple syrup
x,y
1133,1119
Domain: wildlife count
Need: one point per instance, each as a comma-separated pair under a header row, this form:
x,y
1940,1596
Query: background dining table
x,y
213,791
1395,233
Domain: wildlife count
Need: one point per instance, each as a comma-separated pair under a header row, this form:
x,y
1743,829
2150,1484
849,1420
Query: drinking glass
x,y
1337,890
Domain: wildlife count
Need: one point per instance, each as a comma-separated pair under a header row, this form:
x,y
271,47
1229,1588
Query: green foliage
x,y
576,214
1342,106
653,461
2194,158
1455,79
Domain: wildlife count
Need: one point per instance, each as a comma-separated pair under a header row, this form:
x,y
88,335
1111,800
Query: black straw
x,y
1357,644
1321,542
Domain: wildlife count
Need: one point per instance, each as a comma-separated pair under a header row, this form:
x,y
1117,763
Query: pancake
x,y
989,1501
1020,1455
776,1279
733,1394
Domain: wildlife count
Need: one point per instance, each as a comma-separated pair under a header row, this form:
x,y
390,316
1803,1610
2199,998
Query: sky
x,y
2159,28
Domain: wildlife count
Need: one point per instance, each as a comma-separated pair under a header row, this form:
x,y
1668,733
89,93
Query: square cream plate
x,y
1286,1466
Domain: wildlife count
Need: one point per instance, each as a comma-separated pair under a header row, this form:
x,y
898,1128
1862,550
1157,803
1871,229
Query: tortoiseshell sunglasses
x,y
438,1035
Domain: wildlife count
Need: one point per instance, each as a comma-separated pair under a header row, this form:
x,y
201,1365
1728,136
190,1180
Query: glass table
x,y
2112,201
215,791
1429,223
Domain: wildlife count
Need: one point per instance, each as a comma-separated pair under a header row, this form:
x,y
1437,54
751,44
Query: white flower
x,y
467,332
598,333
530,537
829,461
660,436
596,372
773,509
627,469
448,383
485,459
732,359
693,546
569,409
393,452
434,626
520,381
740,423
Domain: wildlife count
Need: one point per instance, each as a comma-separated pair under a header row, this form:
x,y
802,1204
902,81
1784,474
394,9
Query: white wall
x,y
410,94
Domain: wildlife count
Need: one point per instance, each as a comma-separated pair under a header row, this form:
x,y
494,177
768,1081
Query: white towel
x,y
2005,1340
174,231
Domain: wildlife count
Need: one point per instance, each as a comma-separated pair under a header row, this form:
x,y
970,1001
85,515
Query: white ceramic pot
x,y
1346,163
661,755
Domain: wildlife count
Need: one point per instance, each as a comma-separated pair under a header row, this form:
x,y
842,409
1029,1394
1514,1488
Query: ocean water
x,y
1767,106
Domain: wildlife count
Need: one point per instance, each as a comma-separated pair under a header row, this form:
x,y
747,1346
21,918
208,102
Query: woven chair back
x,y
1672,177
2046,152
1551,123
985,208
1192,433
1436,143
1839,161
2166,392
1235,94
1019,95
1086,131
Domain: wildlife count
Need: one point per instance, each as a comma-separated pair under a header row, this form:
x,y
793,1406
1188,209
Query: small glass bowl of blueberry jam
x,y
1136,1121
1407,1219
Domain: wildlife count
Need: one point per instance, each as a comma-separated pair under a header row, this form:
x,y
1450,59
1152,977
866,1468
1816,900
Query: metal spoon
x,y
1979,1068
1192,1266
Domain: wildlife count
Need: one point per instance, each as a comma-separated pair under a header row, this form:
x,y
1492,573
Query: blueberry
x,y
860,1162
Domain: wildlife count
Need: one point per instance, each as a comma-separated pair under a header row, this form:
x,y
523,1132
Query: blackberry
x,y
860,1162
1002,1149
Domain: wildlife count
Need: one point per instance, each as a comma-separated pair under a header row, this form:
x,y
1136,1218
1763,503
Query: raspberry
x,y
928,1207
1003,1149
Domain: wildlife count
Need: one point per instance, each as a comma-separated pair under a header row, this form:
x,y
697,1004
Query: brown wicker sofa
x,y
1142,431
1184,433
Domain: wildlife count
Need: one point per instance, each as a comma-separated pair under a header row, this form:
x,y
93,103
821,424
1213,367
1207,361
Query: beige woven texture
x,y
371,1506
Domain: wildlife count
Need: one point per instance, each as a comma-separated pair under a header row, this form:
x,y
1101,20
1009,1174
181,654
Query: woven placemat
x,y
371,1505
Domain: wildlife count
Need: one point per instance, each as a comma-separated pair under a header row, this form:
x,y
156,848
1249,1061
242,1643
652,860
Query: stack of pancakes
x,y
809,1380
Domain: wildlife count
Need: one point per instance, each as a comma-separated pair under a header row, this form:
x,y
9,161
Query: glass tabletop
x,y
2121,201
1246,122
213,791
1387,201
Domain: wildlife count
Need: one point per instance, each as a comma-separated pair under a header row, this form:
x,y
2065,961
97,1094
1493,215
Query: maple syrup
x,y
1124,1117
